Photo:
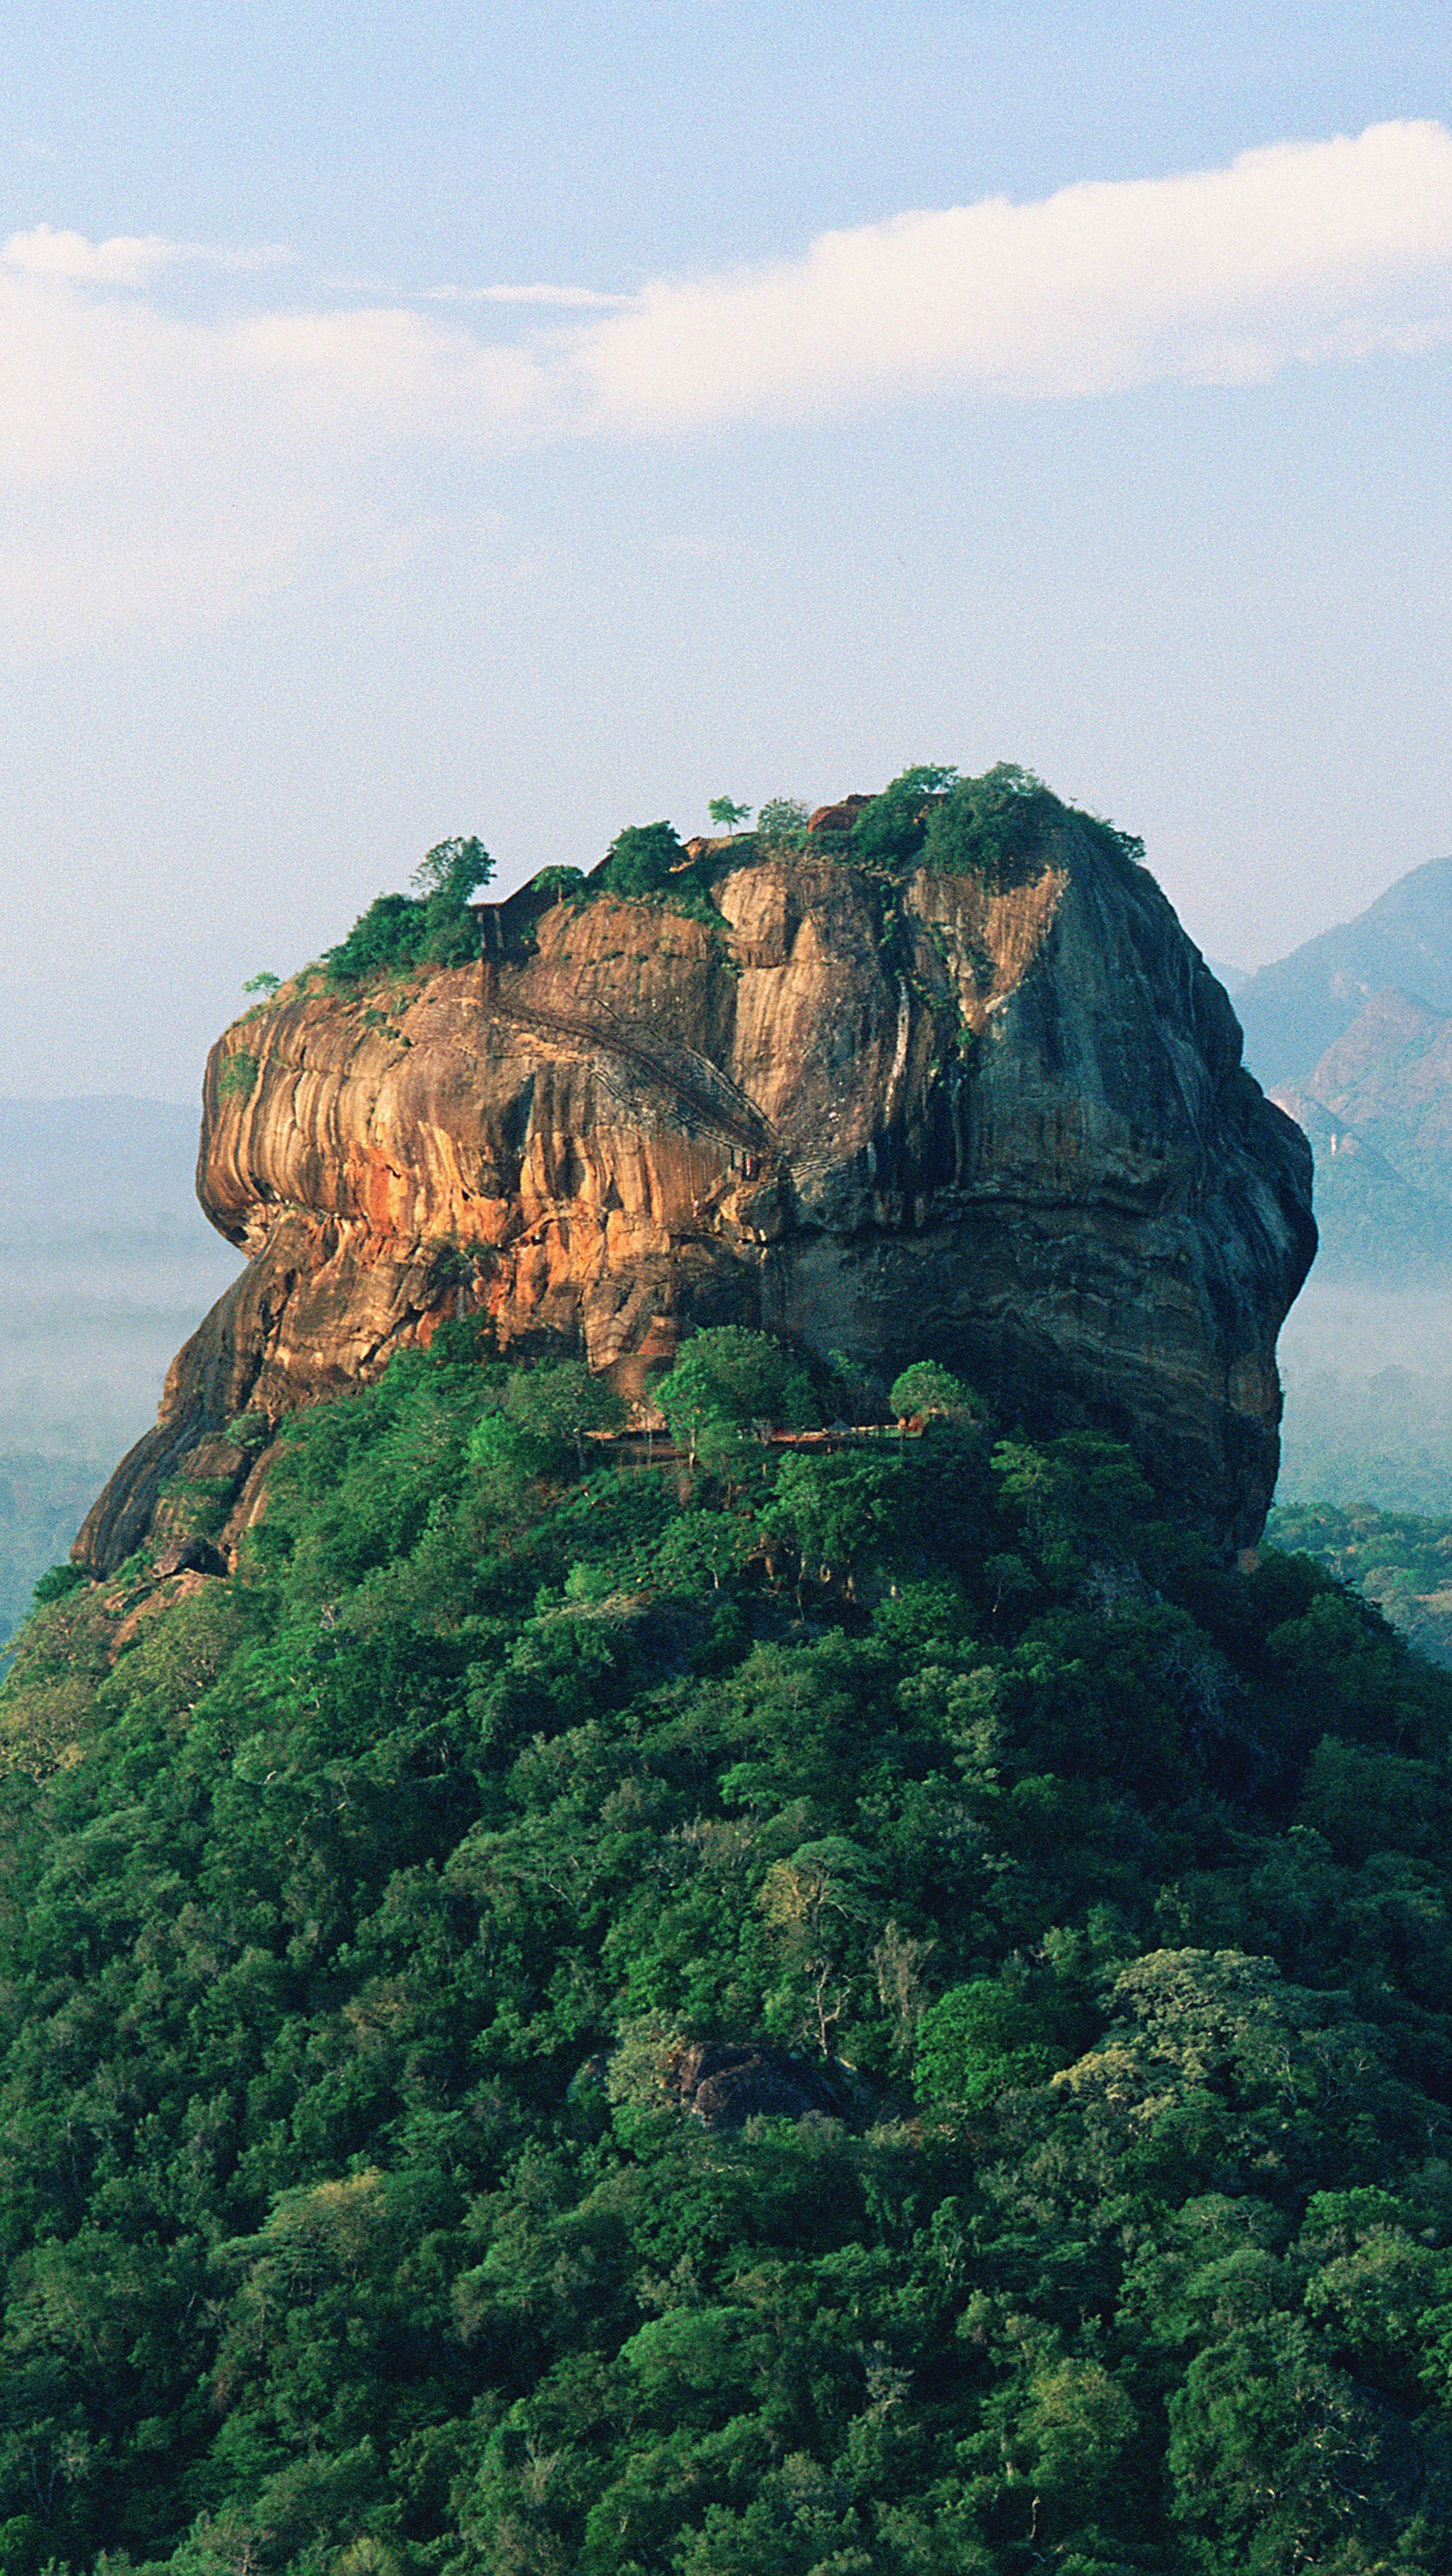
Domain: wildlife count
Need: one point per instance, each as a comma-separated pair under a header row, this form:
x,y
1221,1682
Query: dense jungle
x,y
761,2006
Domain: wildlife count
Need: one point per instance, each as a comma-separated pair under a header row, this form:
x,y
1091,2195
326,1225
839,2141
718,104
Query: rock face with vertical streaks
x,y
1006,1129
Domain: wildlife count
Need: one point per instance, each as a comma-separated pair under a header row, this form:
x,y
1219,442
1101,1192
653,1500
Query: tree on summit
x,y
781,824
451,871
642,859
430,927
725,815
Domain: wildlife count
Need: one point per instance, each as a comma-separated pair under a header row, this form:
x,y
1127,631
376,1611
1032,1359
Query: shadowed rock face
x,y
1007,1130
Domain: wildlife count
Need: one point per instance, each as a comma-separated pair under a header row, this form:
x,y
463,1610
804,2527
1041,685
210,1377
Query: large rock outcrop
x,y
1008,1129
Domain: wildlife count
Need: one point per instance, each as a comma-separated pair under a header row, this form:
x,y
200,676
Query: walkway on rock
x,y
693,1078
636,1446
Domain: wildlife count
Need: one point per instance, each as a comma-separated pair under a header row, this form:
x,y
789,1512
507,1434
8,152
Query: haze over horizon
x,y
422,426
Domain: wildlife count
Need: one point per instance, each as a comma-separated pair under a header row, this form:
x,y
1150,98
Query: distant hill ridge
x,y
1293,1011
1352,1035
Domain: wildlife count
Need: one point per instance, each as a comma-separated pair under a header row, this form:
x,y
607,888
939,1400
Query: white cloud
x,y
230,453
1296,252
563,297
127,259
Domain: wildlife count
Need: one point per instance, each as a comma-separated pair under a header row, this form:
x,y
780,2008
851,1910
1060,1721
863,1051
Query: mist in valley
x,y
1367,1373
106,1265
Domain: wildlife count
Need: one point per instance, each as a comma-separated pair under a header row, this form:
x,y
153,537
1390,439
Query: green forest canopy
x,y
995,827
1400,1560
364,1909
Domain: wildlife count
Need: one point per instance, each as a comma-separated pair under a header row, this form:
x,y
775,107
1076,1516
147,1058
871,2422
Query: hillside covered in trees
x,y
1400,1560
867,2010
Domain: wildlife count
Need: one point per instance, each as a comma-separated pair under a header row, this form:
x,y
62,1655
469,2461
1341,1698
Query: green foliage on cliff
x,y
993,827
781,826
236,1074
431,927
361,1911
642,859
927,1387
649,863
996,827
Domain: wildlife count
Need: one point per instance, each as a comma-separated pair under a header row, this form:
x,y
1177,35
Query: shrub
x,y
432,927
889,832
992,827
236,1074
55,1583
642,859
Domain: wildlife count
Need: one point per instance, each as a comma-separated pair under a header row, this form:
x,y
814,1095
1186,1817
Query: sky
x,y
446,419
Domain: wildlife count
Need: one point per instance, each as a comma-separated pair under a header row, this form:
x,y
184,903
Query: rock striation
x,y
1006,1127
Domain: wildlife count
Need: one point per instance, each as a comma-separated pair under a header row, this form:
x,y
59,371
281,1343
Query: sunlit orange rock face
x,y
1007,1130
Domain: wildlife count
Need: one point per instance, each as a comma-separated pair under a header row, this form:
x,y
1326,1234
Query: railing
x,y
657,1448
698,1082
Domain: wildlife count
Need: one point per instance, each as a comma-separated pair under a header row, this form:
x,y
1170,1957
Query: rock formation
x,y
1007,1128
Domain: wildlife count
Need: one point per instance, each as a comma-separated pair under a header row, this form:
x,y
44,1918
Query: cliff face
x,y
1005,1130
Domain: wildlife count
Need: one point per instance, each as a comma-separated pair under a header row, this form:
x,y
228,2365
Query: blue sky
x,y
957,390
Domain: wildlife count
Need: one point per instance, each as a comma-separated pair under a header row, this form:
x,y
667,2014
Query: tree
x,y
265,984
726,1383
726,815
450,874
642,859
992,827
1080,1496
431,927
558,1401
781,823
557,882
979,2040
451,871
926,1388
836,1511
701,1547
889,832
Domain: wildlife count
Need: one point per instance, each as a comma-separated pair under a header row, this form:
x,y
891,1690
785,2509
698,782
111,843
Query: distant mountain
x,y
1293,1011
1390,1077
1376,1221
1378,1110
